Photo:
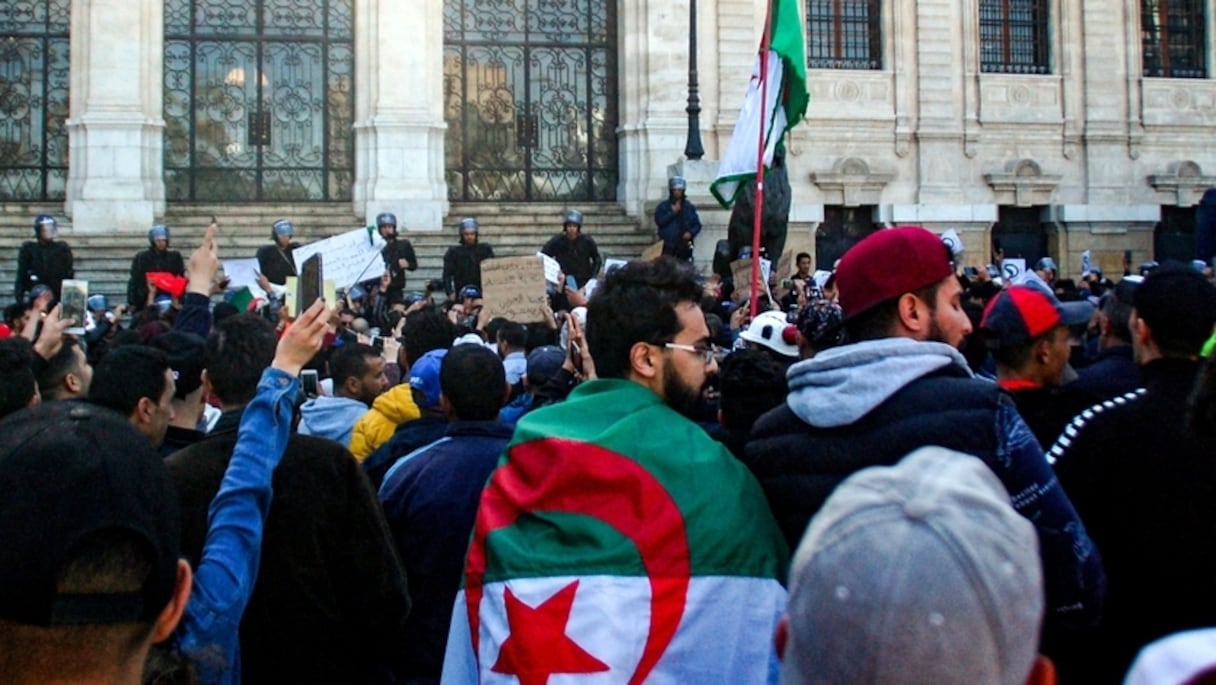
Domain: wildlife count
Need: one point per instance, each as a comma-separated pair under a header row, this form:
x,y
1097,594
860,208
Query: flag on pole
x,y
782,109
617,543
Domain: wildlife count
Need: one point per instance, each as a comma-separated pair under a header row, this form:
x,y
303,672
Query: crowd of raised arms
x,y
905,468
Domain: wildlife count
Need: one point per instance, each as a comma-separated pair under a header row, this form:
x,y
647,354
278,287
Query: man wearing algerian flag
x,y
775,102
616,542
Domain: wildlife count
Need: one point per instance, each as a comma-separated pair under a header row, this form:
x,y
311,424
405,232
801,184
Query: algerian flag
x,y
617,543
782,109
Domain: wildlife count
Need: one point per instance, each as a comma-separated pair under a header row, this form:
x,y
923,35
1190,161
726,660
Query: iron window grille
x,y
844,34
1173,38
1014,37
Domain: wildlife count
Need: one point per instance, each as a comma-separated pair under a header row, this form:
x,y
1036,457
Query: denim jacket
x,y
224,579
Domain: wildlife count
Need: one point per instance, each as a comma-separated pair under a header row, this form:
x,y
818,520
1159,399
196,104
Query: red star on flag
x,y
538,646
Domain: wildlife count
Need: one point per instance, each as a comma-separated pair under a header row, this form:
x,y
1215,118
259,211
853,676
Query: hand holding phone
x,y
310,383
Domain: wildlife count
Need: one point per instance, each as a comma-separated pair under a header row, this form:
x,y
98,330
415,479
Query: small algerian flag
x,y
617,543
783,108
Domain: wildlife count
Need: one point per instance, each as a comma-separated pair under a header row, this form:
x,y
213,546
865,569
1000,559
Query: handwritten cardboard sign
x,y
653,252
351,257
514,288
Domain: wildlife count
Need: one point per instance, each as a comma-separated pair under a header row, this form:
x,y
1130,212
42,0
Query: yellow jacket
x,y
391,409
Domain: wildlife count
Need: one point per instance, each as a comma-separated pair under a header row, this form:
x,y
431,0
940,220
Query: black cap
x,y
69,471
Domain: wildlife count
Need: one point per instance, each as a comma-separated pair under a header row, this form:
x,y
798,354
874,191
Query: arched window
x,y
843,34
1173,36
1014,36
34,99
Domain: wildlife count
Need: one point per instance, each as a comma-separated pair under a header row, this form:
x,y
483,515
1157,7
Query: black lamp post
x,y
693,149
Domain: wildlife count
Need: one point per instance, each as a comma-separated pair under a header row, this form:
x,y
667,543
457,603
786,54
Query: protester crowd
x,y
901,469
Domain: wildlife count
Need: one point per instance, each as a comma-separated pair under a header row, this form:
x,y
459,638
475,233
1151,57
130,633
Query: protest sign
x,y
351,257
953,241
1012,268
653,252
514,288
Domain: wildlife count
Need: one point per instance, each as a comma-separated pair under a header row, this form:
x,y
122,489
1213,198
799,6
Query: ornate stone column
x,y
399,126
115,125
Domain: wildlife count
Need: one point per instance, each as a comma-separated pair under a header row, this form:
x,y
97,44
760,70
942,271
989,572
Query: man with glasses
x,y
613,502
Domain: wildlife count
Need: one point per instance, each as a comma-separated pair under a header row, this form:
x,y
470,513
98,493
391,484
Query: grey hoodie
x,y
842,384
331,417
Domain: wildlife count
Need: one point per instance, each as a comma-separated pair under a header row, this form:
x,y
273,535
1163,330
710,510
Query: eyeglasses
x,y
707,353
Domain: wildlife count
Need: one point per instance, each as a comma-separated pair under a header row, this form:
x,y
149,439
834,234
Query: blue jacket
x,y
431,503
408,437
331,417
224,579
672,225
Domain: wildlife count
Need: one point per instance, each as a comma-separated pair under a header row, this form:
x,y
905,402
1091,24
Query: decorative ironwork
x,y
34,78
530,100
259,103
1174,38
1014,37
843,34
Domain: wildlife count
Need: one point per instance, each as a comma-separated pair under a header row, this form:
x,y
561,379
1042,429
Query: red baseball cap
x,y
1022,313
889,263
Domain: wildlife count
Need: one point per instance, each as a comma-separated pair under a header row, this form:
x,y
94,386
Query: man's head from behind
x,y
358,372
899,282
473,382
751,382
644,324
137,382
238,349
425,330
1173,312
91,544
919,572
18,388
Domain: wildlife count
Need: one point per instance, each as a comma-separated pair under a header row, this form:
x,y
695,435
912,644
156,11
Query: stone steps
x,y
513,229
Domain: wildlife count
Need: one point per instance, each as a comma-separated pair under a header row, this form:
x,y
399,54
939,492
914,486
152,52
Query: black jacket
x,y
1112,373
462,265
275,264
579,257
398,248
1146,490
799,465
330,601
148,261
40,263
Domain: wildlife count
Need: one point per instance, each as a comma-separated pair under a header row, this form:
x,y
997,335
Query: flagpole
x,y
758,213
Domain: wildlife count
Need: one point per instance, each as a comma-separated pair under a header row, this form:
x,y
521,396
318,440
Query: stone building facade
x,y
1050,126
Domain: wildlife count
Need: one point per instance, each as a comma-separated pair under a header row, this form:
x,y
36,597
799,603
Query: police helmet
x,y
677,183
158,231
282,227
574,217
40,221
468,224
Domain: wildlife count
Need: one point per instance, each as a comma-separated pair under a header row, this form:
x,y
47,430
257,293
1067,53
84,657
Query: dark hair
x,y
50,377
515,335
798,257
426,330
13,312
637,304
17,384
474,381
349,361
238,350
1179,306
1118,313
493,326
751,383
876,322
128,374
223,310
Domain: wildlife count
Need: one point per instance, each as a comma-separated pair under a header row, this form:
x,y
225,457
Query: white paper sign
x,y
611,264
349,258
953,241
1012,268
552,268
1087,264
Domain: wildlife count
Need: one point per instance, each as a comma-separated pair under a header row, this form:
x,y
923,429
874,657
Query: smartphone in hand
x,y
310,383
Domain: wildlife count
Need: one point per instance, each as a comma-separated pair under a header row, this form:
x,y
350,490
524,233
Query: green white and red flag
x,y
618,543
